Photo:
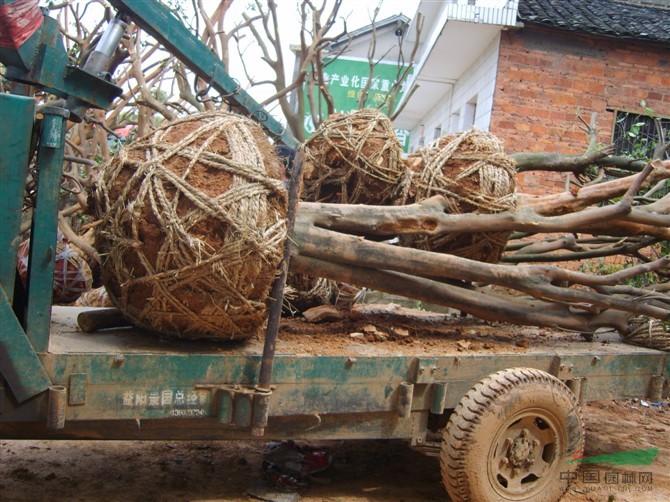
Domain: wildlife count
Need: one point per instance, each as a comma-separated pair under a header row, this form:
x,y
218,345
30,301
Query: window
x,y
637,135
454,122
469,113
437,133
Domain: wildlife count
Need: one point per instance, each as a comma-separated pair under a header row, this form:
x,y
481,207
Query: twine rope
x,y
483,155
219,269
348,139
649,333
484,183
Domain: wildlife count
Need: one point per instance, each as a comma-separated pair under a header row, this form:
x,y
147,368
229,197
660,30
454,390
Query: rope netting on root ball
x,y
474,175
352,158
303,292
193,227
649,333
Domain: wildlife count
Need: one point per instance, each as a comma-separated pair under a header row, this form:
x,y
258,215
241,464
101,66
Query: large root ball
x,y
474,175
193,227
352,158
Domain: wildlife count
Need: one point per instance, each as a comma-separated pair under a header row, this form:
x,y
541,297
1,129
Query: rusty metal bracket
x,y
575,386
439,398
405,396
424,370
584,387
656,387
242,406
562,370
56,407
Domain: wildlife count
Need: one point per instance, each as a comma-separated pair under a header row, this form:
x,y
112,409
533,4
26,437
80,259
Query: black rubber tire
x,y
511,438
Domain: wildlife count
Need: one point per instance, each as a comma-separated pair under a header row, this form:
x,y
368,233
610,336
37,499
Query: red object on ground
x,y
18,21
72,275
289,466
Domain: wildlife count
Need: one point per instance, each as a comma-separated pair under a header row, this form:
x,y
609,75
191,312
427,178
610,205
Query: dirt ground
x,y
361,471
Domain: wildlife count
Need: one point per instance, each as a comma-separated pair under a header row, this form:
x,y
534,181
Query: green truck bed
x,y
382,372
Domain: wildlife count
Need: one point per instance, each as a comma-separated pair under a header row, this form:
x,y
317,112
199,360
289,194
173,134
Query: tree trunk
x,y
341,242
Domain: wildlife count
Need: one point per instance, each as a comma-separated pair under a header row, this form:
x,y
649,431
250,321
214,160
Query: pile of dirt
x,y
381,329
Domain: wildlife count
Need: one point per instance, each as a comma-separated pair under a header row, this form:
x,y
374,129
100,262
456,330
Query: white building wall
x,y
475,87
387,45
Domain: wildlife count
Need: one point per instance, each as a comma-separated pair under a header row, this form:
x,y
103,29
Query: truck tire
x,y
512,437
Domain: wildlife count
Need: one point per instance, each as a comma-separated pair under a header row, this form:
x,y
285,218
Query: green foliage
x,y
641,137
159,94
604,266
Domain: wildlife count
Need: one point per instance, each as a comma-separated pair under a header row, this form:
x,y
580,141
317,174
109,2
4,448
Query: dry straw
x,y
193,226
474,175
304,292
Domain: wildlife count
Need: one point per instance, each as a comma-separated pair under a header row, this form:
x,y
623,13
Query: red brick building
x,y
528,69
569,63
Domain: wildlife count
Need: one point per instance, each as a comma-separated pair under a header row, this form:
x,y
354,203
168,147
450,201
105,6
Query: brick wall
x,y
547,77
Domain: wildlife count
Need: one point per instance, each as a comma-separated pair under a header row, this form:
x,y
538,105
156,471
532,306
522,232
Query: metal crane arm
x,y
161,24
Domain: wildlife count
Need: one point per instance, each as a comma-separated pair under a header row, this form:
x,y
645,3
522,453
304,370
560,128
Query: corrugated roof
x,y
612,18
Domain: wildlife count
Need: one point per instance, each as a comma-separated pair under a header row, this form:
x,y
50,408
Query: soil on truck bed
x,y
365,330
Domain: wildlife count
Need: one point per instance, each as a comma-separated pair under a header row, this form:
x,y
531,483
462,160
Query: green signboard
x,y
347,79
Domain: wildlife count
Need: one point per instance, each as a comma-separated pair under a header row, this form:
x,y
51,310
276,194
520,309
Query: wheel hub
x,y
521,451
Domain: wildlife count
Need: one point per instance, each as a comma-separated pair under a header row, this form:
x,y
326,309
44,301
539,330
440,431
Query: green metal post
x,y
16,126
19,364
43,233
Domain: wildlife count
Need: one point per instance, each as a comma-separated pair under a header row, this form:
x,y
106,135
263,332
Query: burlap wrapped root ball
x,y
304,292
72,274
193,227
474,175
352,158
